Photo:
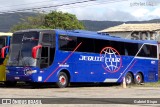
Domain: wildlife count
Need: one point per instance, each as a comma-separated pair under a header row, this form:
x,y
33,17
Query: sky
x,y
99,10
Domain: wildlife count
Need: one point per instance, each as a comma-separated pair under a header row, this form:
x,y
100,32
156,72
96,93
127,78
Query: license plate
x,y
16,78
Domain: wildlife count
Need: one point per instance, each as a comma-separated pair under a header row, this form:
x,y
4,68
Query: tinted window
x,y
86,46
119,46
148,51
67,43
49,38
100,44
46,38
131,49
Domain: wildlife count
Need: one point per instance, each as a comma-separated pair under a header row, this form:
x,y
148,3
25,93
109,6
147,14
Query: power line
x,y
65,4
87,5
97,3
26,4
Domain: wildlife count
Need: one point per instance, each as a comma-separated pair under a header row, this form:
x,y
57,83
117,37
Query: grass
x,y
151,84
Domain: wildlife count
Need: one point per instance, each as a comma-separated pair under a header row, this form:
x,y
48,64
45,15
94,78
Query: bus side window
x,y
67,43
100,44
131,49
86,46
119,46
148,51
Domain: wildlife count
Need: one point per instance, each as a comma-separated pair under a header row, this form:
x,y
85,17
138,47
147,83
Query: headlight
x,y
31,72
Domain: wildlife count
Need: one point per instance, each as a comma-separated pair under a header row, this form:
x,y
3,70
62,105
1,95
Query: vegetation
x,y
7,21
62,20
149,84
52,20
152,84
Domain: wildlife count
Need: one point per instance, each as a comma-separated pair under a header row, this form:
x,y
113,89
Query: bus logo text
x,y
109,57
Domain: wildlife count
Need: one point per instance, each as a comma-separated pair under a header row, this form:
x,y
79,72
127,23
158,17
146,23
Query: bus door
x,y
44,57
47,51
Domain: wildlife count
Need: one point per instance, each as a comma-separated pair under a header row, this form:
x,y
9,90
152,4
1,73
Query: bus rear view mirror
x,y
3,51
34,51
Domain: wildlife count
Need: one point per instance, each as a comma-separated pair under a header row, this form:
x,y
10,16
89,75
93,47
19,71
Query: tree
x,y
53,20
62,20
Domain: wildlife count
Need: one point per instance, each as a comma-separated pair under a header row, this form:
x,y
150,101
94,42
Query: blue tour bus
x,y
67,56
4,49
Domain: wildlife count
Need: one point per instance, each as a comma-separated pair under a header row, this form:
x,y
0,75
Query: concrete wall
x,y
138,35
121,34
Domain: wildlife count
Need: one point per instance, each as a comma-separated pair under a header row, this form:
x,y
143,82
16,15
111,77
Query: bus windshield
x,y
21,49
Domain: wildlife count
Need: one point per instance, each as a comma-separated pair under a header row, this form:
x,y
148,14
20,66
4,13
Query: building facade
x,y
149,31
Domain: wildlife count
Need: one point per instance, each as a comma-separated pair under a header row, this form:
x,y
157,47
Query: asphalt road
x,y
96,95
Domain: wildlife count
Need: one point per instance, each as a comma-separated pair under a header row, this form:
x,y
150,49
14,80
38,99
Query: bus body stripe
x,y
132,65
63,61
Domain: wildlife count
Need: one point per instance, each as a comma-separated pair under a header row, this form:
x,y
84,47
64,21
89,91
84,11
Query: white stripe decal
x,y
146,58
110,80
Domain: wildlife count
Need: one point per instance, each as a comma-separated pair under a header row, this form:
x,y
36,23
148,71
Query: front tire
x,y
129,79
62,80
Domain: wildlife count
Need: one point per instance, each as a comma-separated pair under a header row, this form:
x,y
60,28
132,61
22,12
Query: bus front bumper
x,y
19,78
24,78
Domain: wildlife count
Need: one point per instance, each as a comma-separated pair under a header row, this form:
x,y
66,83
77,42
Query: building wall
x,y
139,35
120,34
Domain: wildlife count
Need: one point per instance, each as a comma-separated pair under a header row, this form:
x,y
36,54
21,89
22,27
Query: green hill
x,y
10,19
100,25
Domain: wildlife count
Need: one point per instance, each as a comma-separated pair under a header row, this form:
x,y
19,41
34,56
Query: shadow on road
x,y
53,85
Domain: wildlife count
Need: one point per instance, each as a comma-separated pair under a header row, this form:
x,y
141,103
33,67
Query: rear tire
x,y
129,79
62,80
138,78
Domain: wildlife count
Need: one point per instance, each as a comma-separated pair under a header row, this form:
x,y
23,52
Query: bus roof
x,y
34,30
5,34
91,34
96,35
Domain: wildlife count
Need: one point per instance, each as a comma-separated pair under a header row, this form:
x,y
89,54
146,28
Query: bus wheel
x,y
138,78
10,83
129,78
62,80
